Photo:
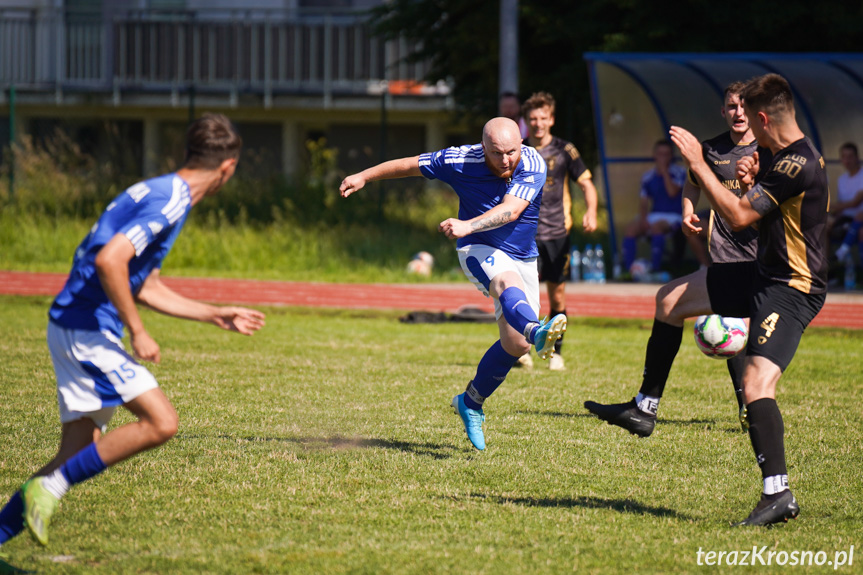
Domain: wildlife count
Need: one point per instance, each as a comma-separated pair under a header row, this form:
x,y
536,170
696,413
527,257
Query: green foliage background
x,y
460,39
260,225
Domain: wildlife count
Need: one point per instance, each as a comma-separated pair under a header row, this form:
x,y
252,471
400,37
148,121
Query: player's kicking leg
x,y
514,286
677,300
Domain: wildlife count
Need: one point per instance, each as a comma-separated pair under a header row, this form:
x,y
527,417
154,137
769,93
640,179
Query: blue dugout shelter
x,y
638,96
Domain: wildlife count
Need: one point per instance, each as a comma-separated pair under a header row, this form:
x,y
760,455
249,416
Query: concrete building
x,y
286,71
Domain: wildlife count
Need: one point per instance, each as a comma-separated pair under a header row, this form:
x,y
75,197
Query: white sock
x,y
775,484
55,483
842,252
646,403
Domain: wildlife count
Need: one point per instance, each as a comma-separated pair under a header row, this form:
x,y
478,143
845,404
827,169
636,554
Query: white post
x,y
508,66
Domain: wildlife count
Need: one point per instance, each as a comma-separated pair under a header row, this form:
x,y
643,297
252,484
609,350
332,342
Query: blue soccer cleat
x,y
473,419
548,333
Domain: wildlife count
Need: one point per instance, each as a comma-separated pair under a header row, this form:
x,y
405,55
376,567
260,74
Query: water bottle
x,y
660,277
587,263
600,264
850,273
617,269
575,265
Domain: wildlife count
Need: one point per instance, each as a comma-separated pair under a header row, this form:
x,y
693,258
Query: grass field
x,y
325,444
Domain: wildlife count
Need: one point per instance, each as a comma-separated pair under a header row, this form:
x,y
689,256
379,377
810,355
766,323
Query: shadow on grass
x,y
337,443
556,414
686,422
619,505
9,568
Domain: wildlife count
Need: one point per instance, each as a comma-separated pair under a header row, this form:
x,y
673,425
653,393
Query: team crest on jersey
x,y
155,227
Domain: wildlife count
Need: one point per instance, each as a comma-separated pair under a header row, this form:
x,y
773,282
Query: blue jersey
x,y
150,214
653,187
479,190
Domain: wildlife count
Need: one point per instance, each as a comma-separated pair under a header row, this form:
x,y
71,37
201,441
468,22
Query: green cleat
x,y
39,506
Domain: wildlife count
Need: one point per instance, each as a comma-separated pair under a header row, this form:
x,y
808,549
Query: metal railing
x,y
265,52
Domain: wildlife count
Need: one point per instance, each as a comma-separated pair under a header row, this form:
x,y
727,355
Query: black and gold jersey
x,y
792,241
564,164
721,154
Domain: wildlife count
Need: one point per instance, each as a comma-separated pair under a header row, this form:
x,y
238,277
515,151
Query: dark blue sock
x,y
12,518
83,465
657,246
628,252
490,373
517,311
853,234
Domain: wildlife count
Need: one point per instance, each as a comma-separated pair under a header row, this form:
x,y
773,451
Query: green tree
x,y
460,40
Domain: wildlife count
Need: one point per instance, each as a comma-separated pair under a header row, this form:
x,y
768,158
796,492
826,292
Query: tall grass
x,y
260,225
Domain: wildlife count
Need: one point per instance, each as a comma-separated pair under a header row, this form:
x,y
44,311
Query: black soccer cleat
x,y
770,511
625,415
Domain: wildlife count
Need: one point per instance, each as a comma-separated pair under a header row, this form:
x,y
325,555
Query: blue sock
x,y
83,465
628,252
853,234
490,373
517,311
12,518
657,246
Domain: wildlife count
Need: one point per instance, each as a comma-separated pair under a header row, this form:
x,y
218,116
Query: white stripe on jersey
x,y
176,207
523,192
138,191
138,237
532,160
464,155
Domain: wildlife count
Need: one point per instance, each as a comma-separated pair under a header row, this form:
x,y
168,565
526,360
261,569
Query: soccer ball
x,y
720,337
421,264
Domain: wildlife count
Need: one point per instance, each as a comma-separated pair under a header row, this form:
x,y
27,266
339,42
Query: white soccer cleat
x,y
555,363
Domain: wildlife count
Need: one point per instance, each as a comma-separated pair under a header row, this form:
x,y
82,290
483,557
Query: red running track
x,y
590,300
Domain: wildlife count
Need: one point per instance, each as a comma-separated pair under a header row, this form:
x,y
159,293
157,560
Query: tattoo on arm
x,y
760,201
491,222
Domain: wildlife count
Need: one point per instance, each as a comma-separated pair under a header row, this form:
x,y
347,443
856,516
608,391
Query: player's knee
x,y
665,302
515,348
163,428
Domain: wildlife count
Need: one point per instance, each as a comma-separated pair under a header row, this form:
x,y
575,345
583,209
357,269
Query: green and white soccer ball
x,y
720,337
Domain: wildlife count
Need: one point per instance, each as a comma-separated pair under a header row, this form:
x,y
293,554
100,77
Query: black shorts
x,y
778,314
553,259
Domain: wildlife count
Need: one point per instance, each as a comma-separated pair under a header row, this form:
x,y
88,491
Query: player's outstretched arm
x,y
156,295
738,212
505,212
112,265
392,169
